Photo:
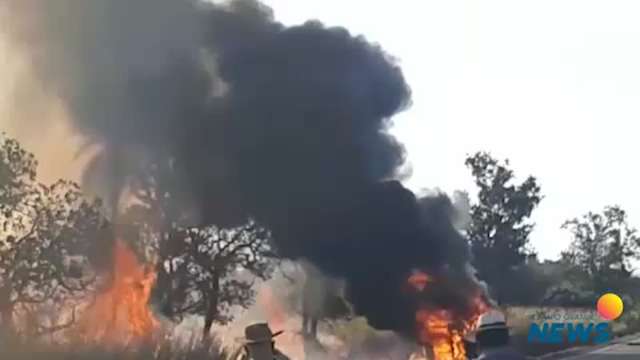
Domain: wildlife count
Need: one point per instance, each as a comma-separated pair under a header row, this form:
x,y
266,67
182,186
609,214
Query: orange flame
x,y
445,342
120,314
279,318
442,330
276,314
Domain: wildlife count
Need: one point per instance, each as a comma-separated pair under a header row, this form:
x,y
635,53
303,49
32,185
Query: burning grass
x,y
13,348
120,325
117,324
120,313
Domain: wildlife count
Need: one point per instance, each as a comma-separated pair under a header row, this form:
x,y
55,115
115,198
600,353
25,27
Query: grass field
x,y
13,348
519,319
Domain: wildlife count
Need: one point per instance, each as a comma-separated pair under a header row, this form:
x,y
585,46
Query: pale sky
x,y
554,85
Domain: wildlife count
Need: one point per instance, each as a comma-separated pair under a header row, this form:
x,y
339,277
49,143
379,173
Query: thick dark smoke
x,y
287,125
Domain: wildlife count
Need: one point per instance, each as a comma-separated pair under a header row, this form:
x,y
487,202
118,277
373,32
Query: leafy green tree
x,y
45,237
500,222
604,247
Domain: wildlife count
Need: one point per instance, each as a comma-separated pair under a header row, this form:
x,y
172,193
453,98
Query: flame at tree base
x,y
120,315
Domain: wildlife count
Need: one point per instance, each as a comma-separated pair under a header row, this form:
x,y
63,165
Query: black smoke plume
x,y
287,125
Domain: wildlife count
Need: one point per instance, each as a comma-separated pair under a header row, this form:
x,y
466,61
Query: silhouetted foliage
x,y
500,223
202,270
45,237
207,271
559,284
160,207
603,248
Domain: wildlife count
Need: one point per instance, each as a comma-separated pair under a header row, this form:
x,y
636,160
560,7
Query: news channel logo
x,y
578,327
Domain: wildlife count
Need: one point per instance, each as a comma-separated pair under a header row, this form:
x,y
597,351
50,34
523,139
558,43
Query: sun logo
x,y
610,306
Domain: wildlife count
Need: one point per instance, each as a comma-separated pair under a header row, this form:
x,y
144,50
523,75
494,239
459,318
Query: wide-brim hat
x,y
259,333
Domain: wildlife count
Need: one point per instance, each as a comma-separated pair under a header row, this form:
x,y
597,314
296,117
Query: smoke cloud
x,y
287,125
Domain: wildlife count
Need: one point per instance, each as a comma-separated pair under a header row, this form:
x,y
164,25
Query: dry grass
x,y
355,332
15,348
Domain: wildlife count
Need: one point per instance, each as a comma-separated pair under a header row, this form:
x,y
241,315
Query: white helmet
x,y
491,320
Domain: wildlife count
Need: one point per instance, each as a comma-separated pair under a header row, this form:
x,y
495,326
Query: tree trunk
x,y
6,310
212,307
6,316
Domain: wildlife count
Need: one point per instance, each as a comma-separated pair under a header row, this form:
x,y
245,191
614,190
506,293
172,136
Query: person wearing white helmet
x,y
492,338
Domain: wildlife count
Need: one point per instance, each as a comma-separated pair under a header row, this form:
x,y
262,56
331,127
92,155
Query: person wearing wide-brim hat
x,y
492,338
258,344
